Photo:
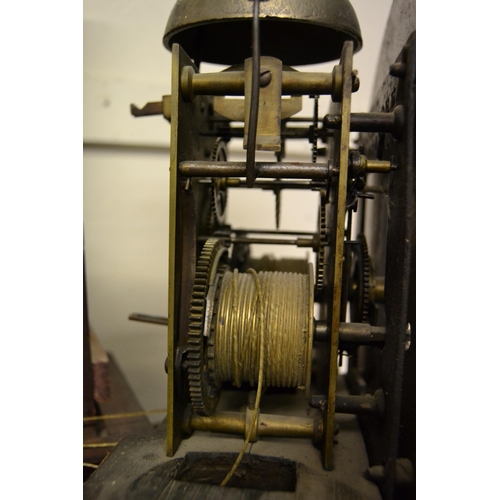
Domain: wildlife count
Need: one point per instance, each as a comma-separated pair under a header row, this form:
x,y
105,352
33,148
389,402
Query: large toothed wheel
x,y
203,390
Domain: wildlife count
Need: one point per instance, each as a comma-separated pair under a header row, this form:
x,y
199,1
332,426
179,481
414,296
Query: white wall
x,y
126,166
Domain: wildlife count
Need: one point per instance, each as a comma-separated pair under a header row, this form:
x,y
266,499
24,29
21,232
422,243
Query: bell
x,y
295,31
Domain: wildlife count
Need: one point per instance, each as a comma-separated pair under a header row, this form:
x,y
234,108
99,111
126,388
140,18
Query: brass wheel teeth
x,y
366,278
315,130
320,267
362,277
199,392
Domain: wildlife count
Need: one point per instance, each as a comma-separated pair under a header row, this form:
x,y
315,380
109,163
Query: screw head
x,y
265,77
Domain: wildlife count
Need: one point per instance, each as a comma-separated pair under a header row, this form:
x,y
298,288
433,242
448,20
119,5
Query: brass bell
x,y
295,31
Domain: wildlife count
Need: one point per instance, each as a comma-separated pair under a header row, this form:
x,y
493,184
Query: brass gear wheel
x,y
360,281
320,255
218,191
203,390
